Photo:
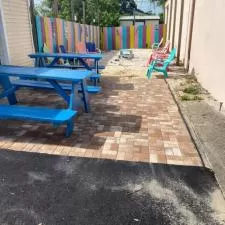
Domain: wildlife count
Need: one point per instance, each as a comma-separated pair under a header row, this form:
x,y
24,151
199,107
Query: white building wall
x,y
177,25
185,30
172,19
207,51
168,14
18,31
207,48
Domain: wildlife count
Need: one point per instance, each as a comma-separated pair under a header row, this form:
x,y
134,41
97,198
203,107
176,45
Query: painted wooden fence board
x,y
124,37
117,38
54,32
139,36
136,37
109,38
156,33
148,35
128,36
132,37
39,33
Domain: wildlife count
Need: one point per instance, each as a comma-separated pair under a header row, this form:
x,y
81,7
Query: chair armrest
x,y
159,61
155,45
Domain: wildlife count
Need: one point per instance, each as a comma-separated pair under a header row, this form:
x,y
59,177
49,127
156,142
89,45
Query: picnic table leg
x,y
54,62
82,61
37,62
75,100
70,126
59,90
85,96
72,105
97,68
6,84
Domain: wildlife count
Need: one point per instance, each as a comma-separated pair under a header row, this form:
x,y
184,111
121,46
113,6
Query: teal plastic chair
x,y
161,65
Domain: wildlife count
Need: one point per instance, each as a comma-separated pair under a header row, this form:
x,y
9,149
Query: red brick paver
x,y
133,119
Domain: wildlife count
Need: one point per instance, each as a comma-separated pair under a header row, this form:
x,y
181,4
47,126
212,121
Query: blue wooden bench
x,y
19,83
66,66
54,116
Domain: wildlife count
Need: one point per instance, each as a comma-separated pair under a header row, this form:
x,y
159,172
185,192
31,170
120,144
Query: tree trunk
x,y
55,8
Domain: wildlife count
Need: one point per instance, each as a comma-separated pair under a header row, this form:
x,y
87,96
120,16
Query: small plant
x,y
192,89
190,98
191,79
185,98
197,98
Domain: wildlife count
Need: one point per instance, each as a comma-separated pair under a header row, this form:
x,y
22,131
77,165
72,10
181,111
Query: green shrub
x,y
193,89
190,98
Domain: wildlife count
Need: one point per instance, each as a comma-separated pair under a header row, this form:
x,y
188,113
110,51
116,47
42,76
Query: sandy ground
x,y
125,67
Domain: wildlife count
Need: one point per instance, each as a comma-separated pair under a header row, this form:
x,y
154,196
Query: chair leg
x,y
165,74
69,128
149,72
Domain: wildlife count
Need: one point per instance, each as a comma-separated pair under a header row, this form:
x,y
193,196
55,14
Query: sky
x,y
37,1
142,4
145,6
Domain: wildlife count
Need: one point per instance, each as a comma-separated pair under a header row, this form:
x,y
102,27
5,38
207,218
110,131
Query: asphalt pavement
x,y
54,190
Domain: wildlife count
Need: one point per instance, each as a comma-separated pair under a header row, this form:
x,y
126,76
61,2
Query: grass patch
x,y
191,79
192,89
186,97
197,98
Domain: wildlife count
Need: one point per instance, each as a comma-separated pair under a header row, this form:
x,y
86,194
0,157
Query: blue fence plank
x,y
156,34
109,33
140,36
39,33
124,33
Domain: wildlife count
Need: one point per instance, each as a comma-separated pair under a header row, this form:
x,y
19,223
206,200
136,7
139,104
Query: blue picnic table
x,y
42,58
76,78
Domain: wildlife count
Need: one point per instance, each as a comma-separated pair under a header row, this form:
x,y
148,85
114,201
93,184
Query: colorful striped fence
x,y
55,32
140,36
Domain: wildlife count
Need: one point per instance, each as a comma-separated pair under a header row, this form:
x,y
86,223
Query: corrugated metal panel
x,y
18,31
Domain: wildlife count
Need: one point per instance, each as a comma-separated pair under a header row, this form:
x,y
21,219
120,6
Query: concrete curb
x,y
194,136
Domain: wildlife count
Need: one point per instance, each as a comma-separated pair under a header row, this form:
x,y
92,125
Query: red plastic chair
x,y
160,53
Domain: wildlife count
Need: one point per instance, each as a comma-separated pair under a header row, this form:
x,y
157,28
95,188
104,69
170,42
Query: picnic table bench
x,y
51,76
54,116
21,83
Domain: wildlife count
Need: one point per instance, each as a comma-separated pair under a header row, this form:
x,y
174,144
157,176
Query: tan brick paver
x,y
132,119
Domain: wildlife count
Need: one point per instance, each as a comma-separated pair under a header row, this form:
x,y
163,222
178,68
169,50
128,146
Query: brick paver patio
x,y
132,119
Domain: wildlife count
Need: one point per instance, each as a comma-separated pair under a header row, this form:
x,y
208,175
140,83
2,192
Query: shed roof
x,y
140,18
